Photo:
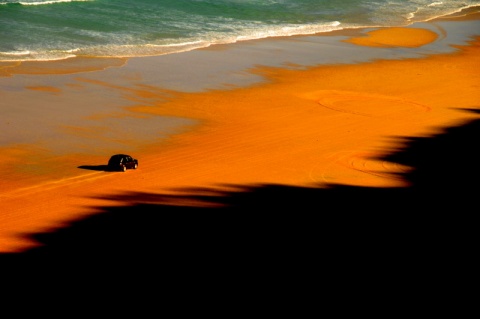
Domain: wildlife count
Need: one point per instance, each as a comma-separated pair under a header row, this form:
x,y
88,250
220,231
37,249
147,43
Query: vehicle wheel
x,y
124,168
135,167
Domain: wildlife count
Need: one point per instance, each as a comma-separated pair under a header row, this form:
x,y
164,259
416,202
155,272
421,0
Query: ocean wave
x,y
40,2
129,28
436,10
22,56
168,46
287,30
16,53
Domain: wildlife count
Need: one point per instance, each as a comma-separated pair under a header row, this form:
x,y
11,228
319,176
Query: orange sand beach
x,y
299,130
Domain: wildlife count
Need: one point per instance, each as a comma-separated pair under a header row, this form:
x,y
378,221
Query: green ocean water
x,y
58,29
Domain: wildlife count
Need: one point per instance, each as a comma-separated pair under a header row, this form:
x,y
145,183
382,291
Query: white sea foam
x,y
39,3
15,53
177,44
410,16
287,30
16,56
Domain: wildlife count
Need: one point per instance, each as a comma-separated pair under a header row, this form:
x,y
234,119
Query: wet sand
x,y
292,125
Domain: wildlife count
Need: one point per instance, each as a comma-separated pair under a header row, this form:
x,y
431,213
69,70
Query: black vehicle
x,y
122,162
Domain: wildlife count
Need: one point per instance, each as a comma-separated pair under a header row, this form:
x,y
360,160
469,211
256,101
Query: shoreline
x,y
82,64
284,123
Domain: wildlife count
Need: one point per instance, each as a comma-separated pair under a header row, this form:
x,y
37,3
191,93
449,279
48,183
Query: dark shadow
x,y
245,225
104,168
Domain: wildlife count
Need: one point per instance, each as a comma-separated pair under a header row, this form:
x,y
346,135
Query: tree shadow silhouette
x,y
229,223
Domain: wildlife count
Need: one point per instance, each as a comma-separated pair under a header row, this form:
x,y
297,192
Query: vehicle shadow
x,y
244,223
104,168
